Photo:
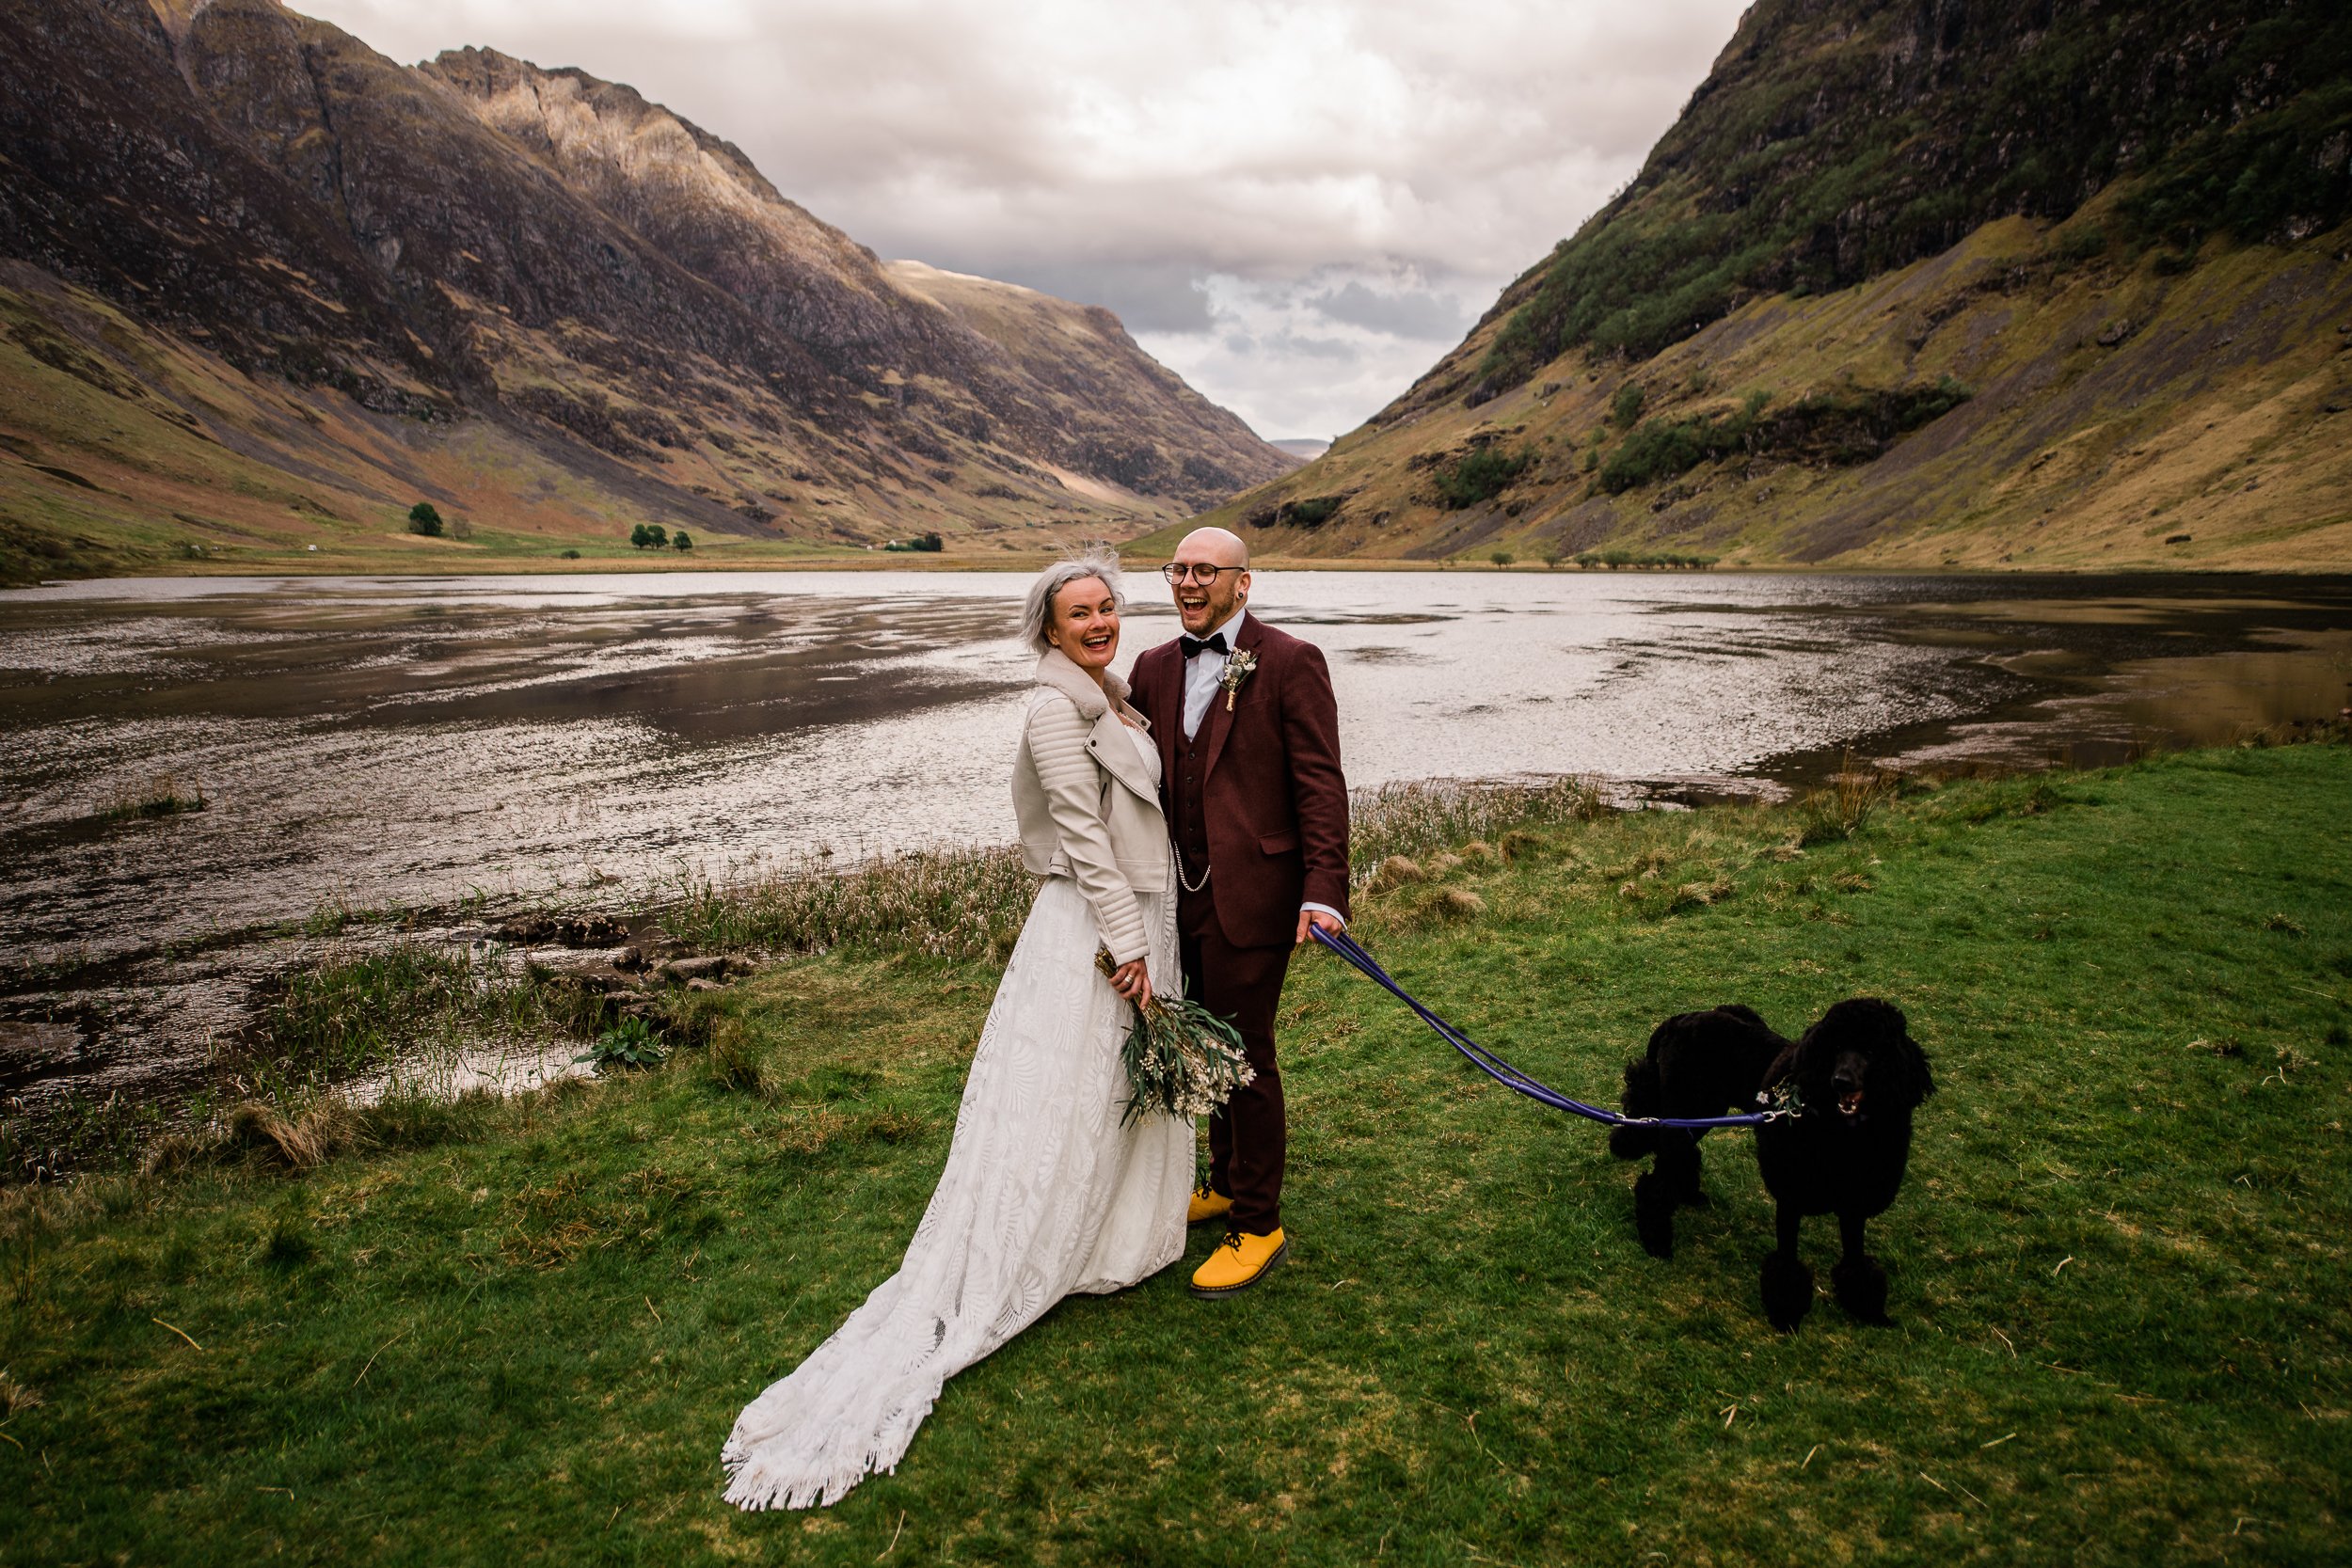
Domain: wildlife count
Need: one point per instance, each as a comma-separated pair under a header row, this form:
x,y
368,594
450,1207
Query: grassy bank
x,y
519,1330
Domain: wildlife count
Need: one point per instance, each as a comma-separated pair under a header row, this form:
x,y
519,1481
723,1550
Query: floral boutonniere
x,y
1238,668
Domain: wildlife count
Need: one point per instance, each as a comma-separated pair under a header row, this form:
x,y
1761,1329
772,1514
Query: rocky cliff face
x,y
348,282
1952,282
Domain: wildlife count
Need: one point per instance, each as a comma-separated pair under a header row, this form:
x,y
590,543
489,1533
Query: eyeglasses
x,y
1176,571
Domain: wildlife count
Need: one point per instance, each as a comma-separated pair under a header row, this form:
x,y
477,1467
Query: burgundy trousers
x,y
1248,1138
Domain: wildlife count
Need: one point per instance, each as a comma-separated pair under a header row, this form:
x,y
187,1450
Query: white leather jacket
x,y
1086,801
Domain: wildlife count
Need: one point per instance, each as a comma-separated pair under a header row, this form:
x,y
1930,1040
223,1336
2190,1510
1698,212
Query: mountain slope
x,y
1917,284
529,295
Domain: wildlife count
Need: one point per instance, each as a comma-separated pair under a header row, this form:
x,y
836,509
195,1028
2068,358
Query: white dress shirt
x,y
1202,671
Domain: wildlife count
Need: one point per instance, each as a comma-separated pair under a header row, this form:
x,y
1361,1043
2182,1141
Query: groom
x,y
1250,781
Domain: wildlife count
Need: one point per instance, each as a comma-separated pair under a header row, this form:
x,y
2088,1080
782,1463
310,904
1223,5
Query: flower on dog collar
x,y
1242,663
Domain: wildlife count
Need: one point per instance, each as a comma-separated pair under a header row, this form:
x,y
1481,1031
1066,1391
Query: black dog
x,y
1699,1065
1858,1076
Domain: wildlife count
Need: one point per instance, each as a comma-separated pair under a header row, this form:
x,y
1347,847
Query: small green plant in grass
x,y
288,1246
424,519
571,554
736,1063
630,1043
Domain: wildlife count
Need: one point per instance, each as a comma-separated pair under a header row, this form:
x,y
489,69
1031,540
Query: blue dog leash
x,y
1502,1072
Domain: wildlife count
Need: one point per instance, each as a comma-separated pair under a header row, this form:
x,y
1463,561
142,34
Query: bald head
x,y
1217,546
1207,601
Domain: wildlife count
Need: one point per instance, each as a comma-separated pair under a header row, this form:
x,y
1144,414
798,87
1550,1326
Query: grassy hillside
x,y
521,1330
2075,405
123,450
1915,286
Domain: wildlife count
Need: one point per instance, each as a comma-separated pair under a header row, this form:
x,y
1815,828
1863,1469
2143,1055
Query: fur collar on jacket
x,y
1056,669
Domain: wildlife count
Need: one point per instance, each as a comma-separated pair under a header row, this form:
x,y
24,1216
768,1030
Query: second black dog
x,y
1858,1076
1699,1064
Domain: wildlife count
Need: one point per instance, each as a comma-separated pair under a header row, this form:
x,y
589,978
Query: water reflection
x,y
387,741
411,741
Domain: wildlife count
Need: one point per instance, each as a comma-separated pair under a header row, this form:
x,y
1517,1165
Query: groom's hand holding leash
x,y
1314,919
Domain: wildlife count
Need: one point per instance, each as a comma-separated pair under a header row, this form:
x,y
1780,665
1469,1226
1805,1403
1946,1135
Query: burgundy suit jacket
x,y
1274,797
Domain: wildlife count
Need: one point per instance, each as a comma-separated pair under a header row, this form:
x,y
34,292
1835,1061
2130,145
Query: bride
x,y
1046,1193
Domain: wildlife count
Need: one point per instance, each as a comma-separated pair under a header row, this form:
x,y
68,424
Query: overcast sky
x,y
1299,207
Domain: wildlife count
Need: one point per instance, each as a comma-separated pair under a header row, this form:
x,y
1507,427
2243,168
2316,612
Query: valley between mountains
x,y
1952,284
262,290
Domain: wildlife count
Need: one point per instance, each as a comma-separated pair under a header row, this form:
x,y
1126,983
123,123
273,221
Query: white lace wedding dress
x,y
1044,1195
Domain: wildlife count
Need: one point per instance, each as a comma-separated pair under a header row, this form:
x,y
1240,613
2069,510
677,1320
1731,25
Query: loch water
x,y
382,743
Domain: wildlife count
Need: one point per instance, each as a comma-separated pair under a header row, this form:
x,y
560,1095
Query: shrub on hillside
x,y
423,519
1312,511
1626,406
1479,475
1843,427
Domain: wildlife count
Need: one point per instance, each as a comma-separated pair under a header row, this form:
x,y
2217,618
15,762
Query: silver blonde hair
x,y
1037,612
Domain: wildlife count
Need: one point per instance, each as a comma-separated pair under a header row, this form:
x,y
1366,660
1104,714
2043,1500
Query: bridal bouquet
x,y
1182,1059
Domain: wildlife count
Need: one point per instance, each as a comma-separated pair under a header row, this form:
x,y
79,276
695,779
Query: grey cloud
x,y
1299,345
1411,313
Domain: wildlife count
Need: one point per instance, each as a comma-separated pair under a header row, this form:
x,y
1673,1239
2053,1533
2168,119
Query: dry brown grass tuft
x,y
1844,808
1417,818
173,1151
1698,896
1444,906
893,1126
1519,845
1395,871
300,1142
162,794
812,1131
15,1398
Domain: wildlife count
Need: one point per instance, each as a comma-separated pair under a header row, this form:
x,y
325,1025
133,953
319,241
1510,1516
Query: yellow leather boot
x,y
1240,1261
1206,1206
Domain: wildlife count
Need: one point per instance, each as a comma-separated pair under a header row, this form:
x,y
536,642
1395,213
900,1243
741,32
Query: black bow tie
x,y
1195,646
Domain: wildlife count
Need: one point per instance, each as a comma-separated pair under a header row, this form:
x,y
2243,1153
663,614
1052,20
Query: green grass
x,y
2117,1270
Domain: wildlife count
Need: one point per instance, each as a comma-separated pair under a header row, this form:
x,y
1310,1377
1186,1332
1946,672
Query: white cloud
x,y
1285,201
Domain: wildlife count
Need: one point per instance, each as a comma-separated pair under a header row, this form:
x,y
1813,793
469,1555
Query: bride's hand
x,y
1133,981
